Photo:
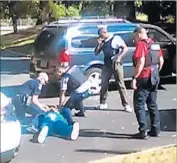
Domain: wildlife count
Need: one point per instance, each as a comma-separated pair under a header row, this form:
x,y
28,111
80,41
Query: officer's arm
x,y
161,62
121,44
139,66
36,102
124,50
99,46
98,49
62,99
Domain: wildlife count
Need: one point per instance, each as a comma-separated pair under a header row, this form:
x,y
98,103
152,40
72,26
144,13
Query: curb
x,y
118,157
17,54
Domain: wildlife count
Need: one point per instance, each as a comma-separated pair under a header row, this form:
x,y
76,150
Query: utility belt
x,y
25,99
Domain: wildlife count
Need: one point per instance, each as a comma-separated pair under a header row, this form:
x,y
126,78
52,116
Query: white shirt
x,y
116,42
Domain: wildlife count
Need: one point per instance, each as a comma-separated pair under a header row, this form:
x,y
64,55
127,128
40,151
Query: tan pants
x,y
118,73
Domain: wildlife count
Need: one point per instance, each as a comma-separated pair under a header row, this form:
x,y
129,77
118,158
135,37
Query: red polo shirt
x,y
140,51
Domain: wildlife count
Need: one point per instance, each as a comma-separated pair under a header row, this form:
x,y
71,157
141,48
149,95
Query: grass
x,y
158,155
141,17
22,41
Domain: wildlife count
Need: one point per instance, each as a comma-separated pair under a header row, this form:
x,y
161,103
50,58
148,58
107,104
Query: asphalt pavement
x,y
103,133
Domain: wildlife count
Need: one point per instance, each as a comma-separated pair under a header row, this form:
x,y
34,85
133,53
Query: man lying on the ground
x,y
59,123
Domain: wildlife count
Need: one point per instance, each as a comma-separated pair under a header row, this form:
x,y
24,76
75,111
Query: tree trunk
x,y
152,9
125,9
43,15
13,15
14,21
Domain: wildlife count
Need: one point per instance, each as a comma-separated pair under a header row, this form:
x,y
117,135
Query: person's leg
x,y
119,77
139,100
46,126
66,130
154,113
66,113
105,77
77,103
19,107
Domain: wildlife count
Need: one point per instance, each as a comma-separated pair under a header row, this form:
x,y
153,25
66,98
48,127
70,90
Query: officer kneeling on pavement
x,y
71,79
46,119
27,99
148,61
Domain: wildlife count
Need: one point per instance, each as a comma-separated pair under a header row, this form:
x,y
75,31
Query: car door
x,y
167,46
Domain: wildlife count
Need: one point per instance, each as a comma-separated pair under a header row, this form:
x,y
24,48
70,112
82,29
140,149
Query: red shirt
x,y
140,51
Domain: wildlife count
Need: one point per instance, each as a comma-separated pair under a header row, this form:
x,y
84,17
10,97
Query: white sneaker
x,y
75,131
43,134
103,106
128,108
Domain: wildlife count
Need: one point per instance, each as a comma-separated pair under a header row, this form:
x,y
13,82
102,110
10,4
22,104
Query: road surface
x,y
103,132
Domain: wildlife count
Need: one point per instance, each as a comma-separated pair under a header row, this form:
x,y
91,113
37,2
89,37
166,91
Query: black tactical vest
x,y
152,61
109,52
152,58
76,78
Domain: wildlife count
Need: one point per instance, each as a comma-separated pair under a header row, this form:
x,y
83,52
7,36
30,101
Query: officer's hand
x,y
47,108
100,40
118,59
54,109
133,84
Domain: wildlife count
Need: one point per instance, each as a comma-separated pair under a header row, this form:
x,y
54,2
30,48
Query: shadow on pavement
x,y
102,110
104,151
167,120
103,134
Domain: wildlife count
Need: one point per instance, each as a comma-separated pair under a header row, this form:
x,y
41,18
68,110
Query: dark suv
x,y
77,40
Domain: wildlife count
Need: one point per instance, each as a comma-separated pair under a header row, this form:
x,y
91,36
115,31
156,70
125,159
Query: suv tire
x,y
94,74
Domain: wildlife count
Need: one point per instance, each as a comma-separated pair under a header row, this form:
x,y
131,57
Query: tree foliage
x,y
45,10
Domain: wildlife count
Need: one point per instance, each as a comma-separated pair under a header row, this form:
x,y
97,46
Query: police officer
x,y
111,46
27,96
71,79
148,61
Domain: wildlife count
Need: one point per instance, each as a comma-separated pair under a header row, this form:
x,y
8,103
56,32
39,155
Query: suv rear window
x,y
117,28
46,37
84,42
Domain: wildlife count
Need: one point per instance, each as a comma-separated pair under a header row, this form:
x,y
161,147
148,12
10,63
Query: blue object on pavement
x,y
57,122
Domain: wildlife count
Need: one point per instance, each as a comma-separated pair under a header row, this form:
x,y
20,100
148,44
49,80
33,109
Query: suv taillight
x,y
64,58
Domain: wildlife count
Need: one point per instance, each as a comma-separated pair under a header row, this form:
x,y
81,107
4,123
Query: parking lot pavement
x,y
103,132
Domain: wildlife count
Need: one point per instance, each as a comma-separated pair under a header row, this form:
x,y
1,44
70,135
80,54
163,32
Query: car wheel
x,y
174,64
94,75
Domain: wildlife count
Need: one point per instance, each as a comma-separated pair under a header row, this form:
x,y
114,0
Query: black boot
x,y
80,114
141,135
154,133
